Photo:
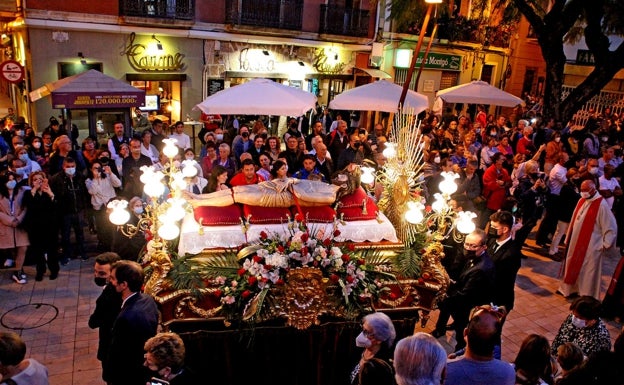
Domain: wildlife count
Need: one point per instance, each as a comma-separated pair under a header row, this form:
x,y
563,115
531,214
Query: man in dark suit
x,y
473,287
135,324
506,256
107,305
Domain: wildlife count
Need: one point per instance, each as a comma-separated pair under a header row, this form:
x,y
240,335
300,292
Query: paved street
x,y
54,314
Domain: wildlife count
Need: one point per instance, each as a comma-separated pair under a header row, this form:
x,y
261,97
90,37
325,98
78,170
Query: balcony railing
x,y
169,9
342,21
283,14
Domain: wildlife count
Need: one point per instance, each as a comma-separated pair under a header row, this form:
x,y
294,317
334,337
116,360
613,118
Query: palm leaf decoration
x,y
212,266
409,263
185,276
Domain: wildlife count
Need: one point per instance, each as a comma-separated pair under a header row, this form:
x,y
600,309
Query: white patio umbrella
x,y
479,92
381,95
259,97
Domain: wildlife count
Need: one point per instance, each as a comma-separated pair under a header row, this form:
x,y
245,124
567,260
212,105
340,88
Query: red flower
x,y
351,247
280,248
257,259
279,282
361,261
327,242
336,233
218,293
265,280
263,235
241,271
245,294
304,250
305,237
350,278
427,209
298,217
252,280
393,296
345,258
268,267
334,277
148,235
421,281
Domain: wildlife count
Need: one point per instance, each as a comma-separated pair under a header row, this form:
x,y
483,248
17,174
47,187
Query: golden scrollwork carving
x,y
304,297
161,265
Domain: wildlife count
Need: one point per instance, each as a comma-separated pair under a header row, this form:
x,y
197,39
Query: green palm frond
x,y
212,266
184,276
409,263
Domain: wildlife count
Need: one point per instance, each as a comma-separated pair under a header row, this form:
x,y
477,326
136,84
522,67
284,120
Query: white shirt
x,y
557,178
182,140
608,184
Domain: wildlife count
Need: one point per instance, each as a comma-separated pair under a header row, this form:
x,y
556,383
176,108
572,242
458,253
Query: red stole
x,y
575,260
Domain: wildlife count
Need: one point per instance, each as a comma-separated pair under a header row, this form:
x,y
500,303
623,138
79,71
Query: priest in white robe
x,y
591,236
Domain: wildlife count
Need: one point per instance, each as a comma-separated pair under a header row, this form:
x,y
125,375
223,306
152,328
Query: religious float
x,y
280,273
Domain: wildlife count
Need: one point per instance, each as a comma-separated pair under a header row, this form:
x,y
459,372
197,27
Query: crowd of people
x,y
559,180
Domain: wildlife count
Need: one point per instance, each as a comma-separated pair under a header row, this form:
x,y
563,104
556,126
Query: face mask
x,y
577,322
585,195
593,170
70,171
492,233
557,139
219,137
190,157
493,133
605,138
21,171
470,254
478,130
100,281
138,210
245,135
361,341
436,159
11,184
24,157
19,133
514,209
357,145
37,145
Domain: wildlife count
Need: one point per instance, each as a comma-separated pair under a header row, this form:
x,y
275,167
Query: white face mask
x,y
577,322
219,137
361,341
593,170
37,145
436,159
585,195
557,139
70,171
11,184
138,210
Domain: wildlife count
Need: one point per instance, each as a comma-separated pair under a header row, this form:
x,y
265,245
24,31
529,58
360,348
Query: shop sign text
x,y
141,60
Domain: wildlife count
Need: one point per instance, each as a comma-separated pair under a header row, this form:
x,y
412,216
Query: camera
x,y
542,175
158,381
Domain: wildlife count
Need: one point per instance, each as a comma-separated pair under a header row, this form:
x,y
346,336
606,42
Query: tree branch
x,y
534,19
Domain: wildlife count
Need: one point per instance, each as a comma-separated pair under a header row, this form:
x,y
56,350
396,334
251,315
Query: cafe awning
x,y
90,89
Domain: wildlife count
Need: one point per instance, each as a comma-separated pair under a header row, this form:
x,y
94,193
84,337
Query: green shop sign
x,y
440,61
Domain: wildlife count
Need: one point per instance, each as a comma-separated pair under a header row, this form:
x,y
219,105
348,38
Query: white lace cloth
x,y
232,236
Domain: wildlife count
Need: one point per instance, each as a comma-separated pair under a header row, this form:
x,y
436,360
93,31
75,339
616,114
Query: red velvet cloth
x,y
218,216
261,214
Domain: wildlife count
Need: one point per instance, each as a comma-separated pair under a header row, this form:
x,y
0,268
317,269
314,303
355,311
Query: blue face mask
x,y
24,157
11,184
70,171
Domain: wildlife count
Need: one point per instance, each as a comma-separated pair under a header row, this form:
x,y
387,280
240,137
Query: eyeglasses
x,y
471,246
497,311
367,333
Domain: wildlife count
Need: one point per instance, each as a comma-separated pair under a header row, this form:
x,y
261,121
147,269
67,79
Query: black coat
x,y
107,307
135,324
474,285
507,262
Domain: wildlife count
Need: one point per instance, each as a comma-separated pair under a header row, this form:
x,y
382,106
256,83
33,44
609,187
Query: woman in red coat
x,y
496,181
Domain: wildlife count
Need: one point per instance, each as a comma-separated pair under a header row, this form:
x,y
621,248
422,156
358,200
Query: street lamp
x,y
410,70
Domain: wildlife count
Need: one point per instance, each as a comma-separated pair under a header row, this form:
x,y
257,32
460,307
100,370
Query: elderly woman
x,y
129,248
377,339
419,360
164,355
225,160
584,327
41,224
13,238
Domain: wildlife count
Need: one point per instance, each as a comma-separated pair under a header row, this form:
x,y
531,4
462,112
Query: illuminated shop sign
x,y
144,58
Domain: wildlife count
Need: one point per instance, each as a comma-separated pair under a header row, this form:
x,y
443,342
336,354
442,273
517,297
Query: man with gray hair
x,y
474,286
419,360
